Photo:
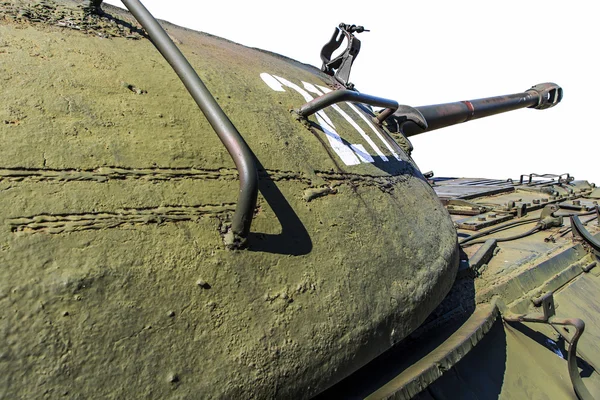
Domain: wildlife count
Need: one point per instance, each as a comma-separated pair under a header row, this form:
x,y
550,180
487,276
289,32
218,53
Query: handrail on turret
x,y
337,96
236,146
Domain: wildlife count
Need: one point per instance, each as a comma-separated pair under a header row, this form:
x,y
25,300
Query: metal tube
x,y
443,115
581,390
337,96
231,138
583,233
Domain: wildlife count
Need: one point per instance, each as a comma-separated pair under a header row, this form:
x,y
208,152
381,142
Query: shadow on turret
x,y
294,238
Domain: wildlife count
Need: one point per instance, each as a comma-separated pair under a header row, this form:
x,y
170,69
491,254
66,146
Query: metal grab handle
x,y
549,317
404,113
337,96
562,178
236,146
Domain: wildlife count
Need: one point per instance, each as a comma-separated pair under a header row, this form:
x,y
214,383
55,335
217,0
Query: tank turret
x,y
275,244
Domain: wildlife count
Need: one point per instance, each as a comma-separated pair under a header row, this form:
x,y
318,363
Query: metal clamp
x,y
548,316
402,115
340,66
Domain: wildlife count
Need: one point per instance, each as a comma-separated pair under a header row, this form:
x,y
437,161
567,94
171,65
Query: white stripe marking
x,y
311,88
364,118
272,82
343,151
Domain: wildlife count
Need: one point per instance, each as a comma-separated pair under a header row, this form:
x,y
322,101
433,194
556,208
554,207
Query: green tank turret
x,y
280,242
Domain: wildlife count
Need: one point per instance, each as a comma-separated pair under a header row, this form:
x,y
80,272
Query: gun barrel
x,y
438,116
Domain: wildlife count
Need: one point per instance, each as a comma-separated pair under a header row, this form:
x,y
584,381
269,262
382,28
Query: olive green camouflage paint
x,y
114,191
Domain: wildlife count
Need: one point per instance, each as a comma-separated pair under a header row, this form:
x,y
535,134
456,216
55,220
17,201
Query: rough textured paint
x,y
114,190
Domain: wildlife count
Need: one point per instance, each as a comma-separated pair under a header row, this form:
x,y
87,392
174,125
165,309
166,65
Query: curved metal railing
x,y
236,146
337,96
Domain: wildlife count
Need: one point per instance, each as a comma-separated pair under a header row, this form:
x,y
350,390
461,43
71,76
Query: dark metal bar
x,y
549,318
385,114
583,233
438,116
483,255
337,96
562,178
442,115
580,389
231,138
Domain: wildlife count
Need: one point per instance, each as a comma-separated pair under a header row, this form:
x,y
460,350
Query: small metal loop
x,y
580,389
547,301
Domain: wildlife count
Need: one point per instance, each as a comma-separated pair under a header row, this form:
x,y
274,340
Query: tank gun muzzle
x,y
540,97
549,95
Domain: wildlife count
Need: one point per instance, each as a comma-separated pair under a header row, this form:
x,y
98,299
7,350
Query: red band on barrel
x,y
471,109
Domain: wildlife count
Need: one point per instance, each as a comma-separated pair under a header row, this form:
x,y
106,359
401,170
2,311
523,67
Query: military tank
x,y
281,243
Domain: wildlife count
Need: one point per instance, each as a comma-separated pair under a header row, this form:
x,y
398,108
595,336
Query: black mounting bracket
x,y
92,6
340,66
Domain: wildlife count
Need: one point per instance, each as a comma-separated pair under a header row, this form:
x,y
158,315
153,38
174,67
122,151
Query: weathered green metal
x,y
543,350
231,138
116,280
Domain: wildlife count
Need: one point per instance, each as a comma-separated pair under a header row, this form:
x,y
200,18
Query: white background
x,y
430,52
